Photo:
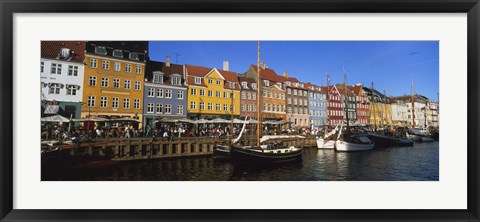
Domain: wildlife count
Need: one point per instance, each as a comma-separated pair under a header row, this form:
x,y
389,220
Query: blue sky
x,y
391,65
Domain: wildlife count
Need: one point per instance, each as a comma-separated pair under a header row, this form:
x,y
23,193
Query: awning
x,y
52,109
56,118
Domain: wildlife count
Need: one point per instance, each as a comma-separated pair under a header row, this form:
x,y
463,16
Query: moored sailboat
x,y
269,152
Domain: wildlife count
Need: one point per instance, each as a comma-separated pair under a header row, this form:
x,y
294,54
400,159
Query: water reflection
x,y
389,164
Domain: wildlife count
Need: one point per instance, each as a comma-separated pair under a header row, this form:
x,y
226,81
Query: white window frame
x,y
115,101
93,63
103,101
104,82
105,64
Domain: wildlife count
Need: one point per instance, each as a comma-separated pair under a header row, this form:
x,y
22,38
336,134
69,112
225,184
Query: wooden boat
x,y
327,141
269,152
349,141
382,140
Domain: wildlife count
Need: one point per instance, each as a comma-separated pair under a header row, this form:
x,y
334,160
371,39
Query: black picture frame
x,y
9,7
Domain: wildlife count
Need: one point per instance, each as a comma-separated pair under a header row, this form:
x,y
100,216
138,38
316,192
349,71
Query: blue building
x,y
317,106
165,92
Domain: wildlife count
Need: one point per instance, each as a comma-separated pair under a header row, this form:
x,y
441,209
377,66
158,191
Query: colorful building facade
x,y
363,104
335,106
212,93
317,106
165,92
61,77
114,79
248,97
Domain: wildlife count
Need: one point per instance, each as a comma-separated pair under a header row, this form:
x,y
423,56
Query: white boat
x,y
325,144
362,143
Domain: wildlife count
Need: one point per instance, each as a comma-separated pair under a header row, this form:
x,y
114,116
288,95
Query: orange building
x,y
113,80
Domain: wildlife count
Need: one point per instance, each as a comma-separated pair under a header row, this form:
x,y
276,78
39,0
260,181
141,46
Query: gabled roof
x,y
51,50
200,71
230,77
341,90
268,74
248,80
153,66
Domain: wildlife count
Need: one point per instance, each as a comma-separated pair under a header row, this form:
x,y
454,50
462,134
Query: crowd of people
x,y
163,131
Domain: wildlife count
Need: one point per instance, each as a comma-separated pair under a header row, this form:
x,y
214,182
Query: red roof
x,y
51,50
200,71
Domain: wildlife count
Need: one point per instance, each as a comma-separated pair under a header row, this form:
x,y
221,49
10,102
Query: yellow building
x,y
381,114
210,93
113,80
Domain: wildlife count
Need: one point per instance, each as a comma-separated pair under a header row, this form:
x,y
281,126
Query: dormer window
x,y
176,81
288,82
64,53
279,84
254,86
244,85
266,82
100,50
118,53
198,80
232,85
133,56
157,77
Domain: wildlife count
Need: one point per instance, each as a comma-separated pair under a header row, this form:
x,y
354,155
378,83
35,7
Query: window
x,y
289,100
54,88
41,66
264,94
72,70
116,83
176,81
126,84
136,103
225,94
151,92
254,96
225,107
232,85
168,109
126,103
138,69
210,93
72,90
304,93
295,92
202,92
115,102
128,68
91,101
168,93
56,68
217,107
193,92
117,66
266,82
219,82
210,81
242,95
104,82
242,107
101,50
133,55
210,106
180,94
137,85
159,93
269,94
105,64
157,78
180,110
202,106
93,63
218,94
193,105
118,53
150,108
244,85
92,80
159,108
254,85
198,80
103,101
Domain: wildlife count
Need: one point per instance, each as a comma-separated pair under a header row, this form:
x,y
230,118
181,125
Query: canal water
x,y
417,163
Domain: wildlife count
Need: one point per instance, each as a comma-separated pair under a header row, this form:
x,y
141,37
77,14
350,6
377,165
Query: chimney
x,y
285,74
167,62
225,66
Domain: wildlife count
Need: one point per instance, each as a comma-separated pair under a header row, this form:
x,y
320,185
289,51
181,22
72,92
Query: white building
x,y
420,114
400,114
61,77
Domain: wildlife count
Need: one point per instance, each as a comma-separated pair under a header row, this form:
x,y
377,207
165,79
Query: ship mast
x,y
346,95
328,98
231,117
374,111
385,108
259,124
413,105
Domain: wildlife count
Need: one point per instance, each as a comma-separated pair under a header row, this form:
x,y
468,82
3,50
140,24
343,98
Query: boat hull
x,y
250,156
325,144
221,152
382,141
346,146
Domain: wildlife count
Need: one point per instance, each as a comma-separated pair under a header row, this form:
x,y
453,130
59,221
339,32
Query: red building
x,y
334,106
363,104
